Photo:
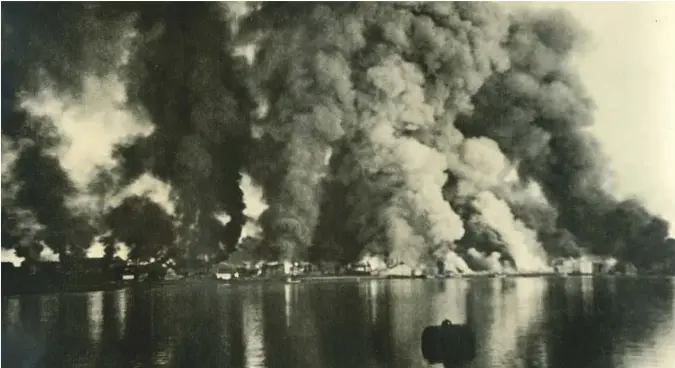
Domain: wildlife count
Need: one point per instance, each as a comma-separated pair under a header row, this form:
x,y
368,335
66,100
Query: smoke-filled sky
x,y
627,67
397,130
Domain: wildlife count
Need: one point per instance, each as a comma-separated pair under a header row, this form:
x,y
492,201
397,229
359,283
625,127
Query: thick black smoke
x,y
36,189
183,74
538,112
404,130
303,73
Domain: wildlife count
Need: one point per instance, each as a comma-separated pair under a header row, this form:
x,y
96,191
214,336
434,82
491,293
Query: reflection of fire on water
x,y
517,307
451,303
289,300
163,355
254,353
406,314
95,315
372,299
587,292
49,310
121,300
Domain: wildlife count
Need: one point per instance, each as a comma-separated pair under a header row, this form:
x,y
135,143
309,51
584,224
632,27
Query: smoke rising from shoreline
x,y
408,131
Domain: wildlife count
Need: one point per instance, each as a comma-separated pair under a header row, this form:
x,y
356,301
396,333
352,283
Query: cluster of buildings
x,y
592,265
366,267
101,272
267,269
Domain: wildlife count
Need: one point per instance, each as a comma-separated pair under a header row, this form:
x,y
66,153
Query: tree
x,y
144,227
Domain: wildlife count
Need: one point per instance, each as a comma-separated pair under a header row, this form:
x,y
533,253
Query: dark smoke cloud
x,y
34,53
537,111
303,74
411,87
182,73
409,131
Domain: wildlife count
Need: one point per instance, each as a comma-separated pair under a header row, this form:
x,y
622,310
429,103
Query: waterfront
x,y
519,322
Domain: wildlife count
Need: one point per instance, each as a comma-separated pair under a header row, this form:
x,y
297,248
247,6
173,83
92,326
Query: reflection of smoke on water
x,y
254,338
407,313
49,310
655,325
369,293
579,294
451,302
513,314
11,313
291,335
95,315
650,356
23,335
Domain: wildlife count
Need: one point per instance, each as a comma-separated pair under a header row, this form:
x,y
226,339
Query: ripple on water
x,y
529,322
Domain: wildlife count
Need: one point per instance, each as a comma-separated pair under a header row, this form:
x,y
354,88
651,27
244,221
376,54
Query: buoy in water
x,y
449,344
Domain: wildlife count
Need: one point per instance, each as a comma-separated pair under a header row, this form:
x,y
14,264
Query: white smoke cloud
x,y
483,171
9,255
255,206
455,264
521,241
375,263
418,218
222,217
10,153
148,186
97,250
122,251
48,255
528,193
247,51
91,124
485,263
481,165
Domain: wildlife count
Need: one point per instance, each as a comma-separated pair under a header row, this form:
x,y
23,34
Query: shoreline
x,y
113,286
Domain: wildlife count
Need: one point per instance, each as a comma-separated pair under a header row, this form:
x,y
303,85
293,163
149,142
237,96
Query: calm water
x,y
575,322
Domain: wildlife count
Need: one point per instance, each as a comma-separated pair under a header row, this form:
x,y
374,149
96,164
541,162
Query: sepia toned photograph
x,y
364,184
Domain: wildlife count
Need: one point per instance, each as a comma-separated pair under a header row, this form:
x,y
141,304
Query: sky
x,y
627,66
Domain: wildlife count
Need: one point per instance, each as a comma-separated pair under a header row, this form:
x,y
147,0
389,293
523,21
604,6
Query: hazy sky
x,y
629,68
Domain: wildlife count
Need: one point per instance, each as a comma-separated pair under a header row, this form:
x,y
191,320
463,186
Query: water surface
x,y
537,322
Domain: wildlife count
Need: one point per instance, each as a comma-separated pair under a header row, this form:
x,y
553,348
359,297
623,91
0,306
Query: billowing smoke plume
x,y
184,76
537,112
303,74
36,207
412,87
412,132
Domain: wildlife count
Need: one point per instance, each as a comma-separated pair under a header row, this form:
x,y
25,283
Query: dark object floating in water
x,y
449,344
